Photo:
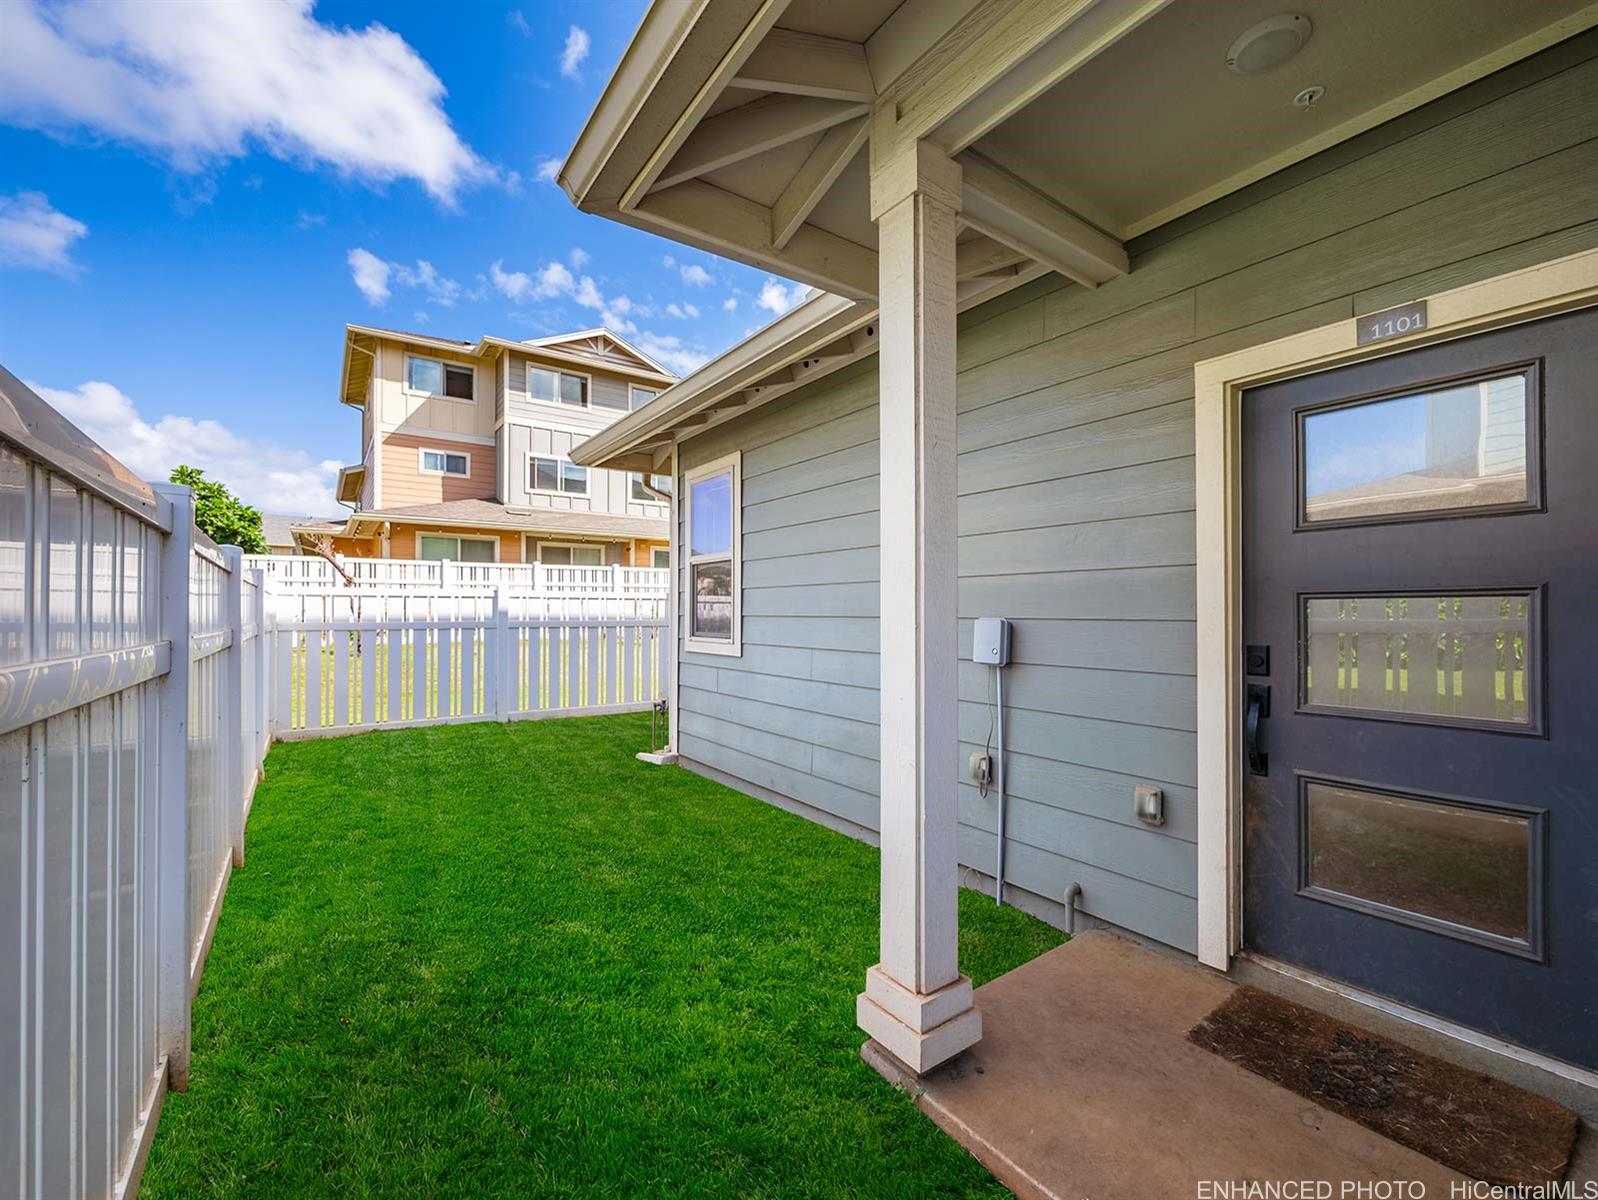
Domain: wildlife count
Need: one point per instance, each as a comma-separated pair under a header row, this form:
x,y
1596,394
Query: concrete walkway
x,y
1084,1087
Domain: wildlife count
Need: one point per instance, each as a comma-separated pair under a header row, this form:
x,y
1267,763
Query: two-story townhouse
x,y
466,450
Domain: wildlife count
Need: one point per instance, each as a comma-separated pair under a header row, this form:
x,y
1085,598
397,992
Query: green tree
x,y
227,519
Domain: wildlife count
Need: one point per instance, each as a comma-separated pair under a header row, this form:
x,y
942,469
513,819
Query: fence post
x,y
615,579
263,674
446,574
233,686
172,755
505,681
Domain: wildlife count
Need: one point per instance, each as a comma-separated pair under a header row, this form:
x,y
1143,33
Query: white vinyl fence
x,y
143,673
380,660
296,573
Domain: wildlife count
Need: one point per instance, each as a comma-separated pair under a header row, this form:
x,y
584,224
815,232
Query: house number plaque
x,y
1391,323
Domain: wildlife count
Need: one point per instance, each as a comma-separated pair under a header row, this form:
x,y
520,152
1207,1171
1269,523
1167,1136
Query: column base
x,y
921,1031
660,758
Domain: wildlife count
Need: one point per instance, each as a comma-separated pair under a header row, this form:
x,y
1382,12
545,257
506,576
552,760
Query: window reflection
x,y
1458,447
1421,656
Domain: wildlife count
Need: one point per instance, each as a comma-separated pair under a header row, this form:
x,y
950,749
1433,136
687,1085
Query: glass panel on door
x,y
1451,448
1434,657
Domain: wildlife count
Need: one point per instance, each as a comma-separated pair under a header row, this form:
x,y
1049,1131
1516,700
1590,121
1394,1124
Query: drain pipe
x,y
1072,895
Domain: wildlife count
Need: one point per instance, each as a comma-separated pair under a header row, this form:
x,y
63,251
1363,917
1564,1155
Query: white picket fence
x,y
143,673
382,660
296,573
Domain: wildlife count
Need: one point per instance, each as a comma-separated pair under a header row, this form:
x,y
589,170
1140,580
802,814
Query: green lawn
x,y
509,960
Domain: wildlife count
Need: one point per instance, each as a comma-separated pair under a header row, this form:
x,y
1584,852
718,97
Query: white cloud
x,y
518,22
439,289
377,278
33,234
578,257
270,476
668,262
574,52
554,279
370,274
549,169
694,275
671,352
777,297
309,220
730,304
512,284
229,78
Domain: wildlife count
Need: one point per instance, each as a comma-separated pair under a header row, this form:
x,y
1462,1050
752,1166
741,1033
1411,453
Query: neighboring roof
x,y
490,514
275,528
603,343
589,348
279,529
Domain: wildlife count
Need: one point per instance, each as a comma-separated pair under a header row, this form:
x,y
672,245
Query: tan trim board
x,y
1525,295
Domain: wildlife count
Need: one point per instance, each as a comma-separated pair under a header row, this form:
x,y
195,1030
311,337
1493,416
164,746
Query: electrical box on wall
x,y
990,641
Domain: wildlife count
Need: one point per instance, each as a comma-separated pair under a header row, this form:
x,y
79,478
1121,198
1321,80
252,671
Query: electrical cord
x,y
987,746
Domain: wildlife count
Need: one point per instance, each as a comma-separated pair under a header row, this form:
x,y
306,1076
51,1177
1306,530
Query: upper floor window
x,y
658,487
436,378
556,475
557,387
640,396
444,462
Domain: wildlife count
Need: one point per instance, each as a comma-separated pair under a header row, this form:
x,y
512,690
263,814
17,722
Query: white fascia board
x,y
814,323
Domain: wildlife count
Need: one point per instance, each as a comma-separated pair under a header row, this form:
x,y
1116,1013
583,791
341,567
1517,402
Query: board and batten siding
x,y
608,491
1076,487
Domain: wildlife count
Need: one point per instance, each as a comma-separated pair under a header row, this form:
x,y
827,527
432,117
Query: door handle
x,y
1258,708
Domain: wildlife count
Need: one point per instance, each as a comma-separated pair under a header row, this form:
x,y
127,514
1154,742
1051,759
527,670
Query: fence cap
x,y
42,434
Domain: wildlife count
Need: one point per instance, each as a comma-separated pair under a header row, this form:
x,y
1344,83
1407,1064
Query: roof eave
x,y
822,315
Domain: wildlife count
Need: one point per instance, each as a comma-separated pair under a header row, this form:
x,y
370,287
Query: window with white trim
x,y
556,475
434,377
655,491
715,557
435,546
443,462
640,396
557,387
570,554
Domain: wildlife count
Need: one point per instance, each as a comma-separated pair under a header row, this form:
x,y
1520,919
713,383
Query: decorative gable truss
x,y
603,346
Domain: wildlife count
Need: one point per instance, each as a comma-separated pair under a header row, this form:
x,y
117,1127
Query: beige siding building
x,y
466,450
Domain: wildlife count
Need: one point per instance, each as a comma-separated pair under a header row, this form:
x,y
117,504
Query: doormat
x,y
1479,1126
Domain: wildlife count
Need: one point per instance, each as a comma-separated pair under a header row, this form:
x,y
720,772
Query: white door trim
x,y
1525,295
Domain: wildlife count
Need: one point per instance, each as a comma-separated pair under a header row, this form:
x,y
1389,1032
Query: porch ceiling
x,y
741,127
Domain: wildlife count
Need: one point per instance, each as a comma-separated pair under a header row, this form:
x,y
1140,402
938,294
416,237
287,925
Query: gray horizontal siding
x,y
1076,486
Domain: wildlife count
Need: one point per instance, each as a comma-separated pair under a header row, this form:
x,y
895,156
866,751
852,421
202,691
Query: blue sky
x,y
191,210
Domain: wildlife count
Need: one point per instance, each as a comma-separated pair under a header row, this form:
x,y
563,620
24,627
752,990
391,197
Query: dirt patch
x,y
1480,1126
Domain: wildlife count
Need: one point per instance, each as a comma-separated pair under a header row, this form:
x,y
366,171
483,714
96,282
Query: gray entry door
x,y
1420,561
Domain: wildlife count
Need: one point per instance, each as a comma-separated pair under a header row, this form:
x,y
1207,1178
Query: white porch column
x,y
917,1004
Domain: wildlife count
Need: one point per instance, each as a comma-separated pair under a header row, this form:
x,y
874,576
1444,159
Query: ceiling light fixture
x,y
1269,44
